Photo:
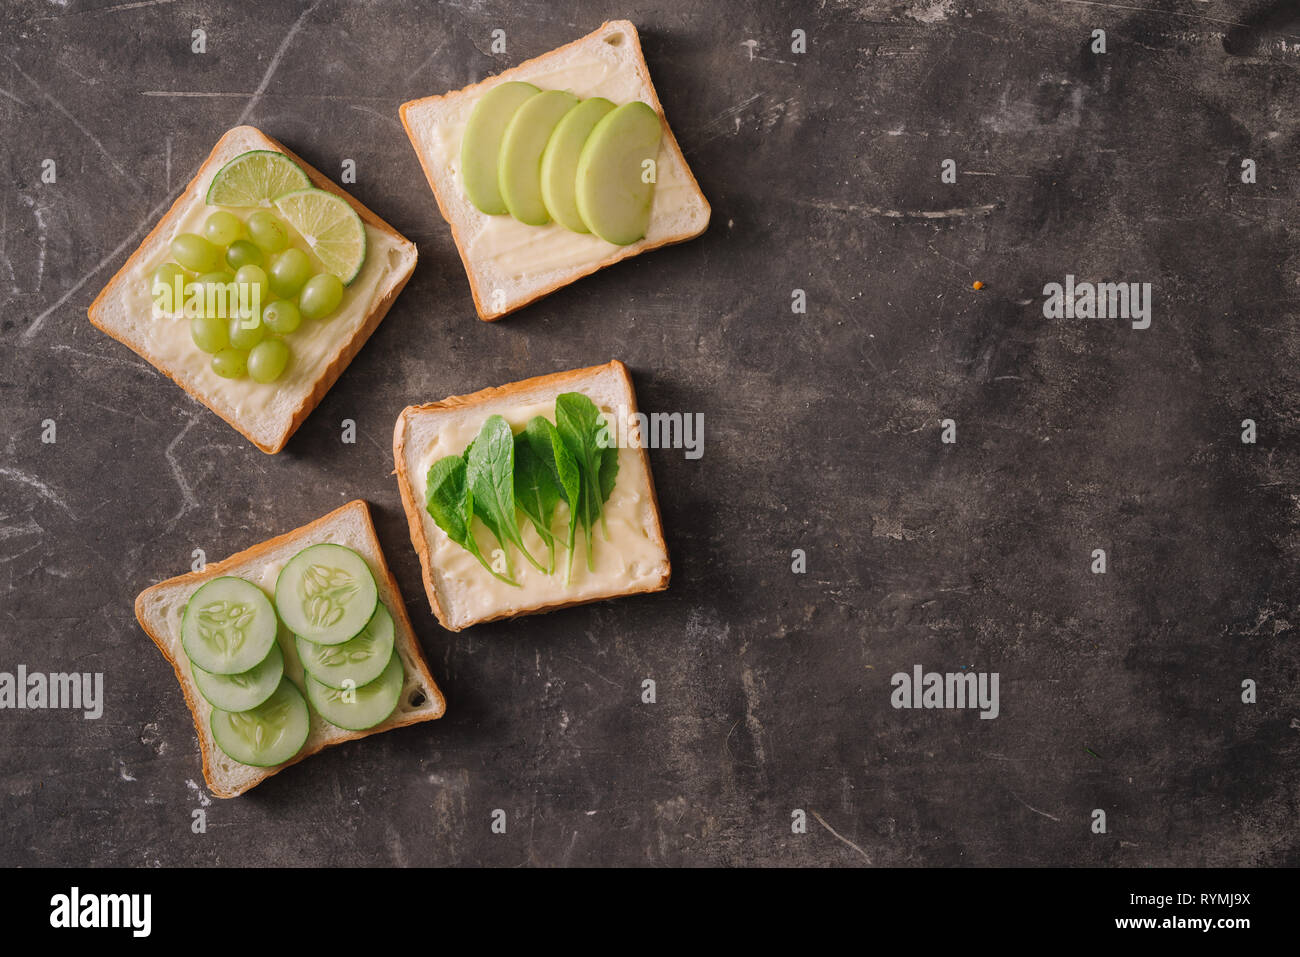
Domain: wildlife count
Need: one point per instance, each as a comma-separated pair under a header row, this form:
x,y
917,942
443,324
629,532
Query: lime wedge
x,y
330,227
255,179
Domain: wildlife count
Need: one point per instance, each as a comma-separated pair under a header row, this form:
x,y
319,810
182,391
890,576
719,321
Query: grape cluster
x,y
255,253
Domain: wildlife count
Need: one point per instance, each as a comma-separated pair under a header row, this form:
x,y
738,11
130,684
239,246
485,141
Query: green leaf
x,y
608,478
544,439
450,503
490,472
447,498
536,493
581,425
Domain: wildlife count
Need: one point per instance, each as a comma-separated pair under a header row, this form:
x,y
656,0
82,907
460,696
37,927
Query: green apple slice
x,y
560,161
519,170
612,190
481,146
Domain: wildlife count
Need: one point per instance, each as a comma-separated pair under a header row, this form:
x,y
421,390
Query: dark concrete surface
x,y
1119,691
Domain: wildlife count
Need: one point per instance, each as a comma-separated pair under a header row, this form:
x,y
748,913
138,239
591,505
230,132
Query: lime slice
x,y
330,227
256,178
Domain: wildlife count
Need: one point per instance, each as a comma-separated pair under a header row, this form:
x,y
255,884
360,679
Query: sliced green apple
x,y
480,149
560,161
614,185
519,170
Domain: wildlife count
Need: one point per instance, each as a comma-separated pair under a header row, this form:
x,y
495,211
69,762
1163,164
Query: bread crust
x,y
334,368
253,553
622,252
415,510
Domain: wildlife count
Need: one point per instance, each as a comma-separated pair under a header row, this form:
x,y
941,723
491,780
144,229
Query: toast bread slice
x,y
273,412
451,595
433,124
159,609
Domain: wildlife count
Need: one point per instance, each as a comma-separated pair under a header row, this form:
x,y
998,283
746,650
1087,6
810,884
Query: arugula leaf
x,y
608,479
536,493
450,503
585,433
544,440
490,474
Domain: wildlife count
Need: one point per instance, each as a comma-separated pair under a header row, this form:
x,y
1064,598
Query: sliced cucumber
x,y
356,709
359,660
326,594
229,626
242,692
269,734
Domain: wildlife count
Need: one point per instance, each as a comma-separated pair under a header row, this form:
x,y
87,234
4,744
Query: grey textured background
x,y
1119,691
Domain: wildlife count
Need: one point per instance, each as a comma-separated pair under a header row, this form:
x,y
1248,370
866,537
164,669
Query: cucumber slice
x,y
242,692
613,196
359,660
519,169
560,161
356,709
326,594
229,626
268,735
481,146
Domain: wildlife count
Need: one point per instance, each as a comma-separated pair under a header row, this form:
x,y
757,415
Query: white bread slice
x,y
267,415
434,124
159,609
460,592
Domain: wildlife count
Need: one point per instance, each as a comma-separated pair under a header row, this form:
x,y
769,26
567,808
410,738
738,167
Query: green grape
x,y
243,253
282,316
267,360
195,253
269,233
164,277
230,363
320,296
245,337
217,298
166,274
222,228
289,271
209,333
254,276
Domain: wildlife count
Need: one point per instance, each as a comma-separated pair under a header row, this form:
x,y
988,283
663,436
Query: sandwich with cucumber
x,y
556,168
257,288
289,647
520,499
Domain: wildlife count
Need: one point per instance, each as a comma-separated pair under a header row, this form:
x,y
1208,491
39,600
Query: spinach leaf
x,y
544,440
536,493
490,474
450,503
585,433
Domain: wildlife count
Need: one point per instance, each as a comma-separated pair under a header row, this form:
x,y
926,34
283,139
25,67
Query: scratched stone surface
x,y
1119,691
